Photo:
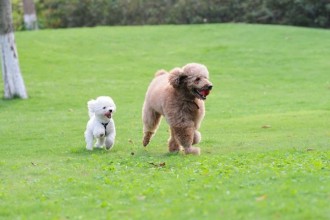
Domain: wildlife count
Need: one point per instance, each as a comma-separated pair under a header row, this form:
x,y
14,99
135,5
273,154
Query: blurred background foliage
x,y
79,13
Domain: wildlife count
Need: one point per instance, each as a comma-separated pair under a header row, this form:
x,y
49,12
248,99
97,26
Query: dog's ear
x,y
177,77
114,108
91,105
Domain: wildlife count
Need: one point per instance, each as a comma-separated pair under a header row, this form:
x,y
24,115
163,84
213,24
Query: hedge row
x,y
77,13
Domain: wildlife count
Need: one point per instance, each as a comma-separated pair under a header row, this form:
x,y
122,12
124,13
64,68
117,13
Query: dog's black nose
x,y
110,110
210,87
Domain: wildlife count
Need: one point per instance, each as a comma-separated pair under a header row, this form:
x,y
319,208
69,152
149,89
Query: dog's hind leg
x,y
151,121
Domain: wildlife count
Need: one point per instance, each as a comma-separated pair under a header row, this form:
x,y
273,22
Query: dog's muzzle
x,y
203,92
108,114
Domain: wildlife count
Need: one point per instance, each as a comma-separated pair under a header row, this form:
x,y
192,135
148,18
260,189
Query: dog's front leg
x,y
173,145
89,140
99,132
197,137
110,138
109,142
100,142
185,137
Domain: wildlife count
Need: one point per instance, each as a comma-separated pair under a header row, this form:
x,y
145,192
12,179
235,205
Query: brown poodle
x,y
178,96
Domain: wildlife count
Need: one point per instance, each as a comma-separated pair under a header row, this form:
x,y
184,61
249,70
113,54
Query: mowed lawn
x,y
265,137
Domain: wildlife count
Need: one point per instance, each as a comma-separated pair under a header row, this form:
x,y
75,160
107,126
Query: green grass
x,y
266,134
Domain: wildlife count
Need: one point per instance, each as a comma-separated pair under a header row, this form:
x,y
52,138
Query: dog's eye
x,y
197,79
104,107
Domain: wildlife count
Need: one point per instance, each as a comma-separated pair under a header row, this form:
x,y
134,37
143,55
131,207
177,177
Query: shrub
x,y
77,13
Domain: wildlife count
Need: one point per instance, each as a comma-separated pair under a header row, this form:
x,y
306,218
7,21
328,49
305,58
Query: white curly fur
x,y
100,125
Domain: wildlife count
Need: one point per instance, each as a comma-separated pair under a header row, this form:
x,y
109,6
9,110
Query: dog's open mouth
x,y
202,93
108,114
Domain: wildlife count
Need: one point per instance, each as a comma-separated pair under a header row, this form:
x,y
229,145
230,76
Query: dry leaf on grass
x,y
158,165
261,198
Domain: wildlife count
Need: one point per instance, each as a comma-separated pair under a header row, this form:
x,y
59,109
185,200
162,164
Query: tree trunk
x,y
13,80
30,17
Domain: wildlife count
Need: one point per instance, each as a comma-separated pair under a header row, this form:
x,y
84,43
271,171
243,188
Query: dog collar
x,y
105,125
196,104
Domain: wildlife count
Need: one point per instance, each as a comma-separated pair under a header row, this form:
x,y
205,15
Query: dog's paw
x,y
109,147
90,148
174,148
99,144
192,150
146,138
109,143
197,137
101,135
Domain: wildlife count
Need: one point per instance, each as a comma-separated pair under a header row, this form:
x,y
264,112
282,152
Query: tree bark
x,y
12,77
30,17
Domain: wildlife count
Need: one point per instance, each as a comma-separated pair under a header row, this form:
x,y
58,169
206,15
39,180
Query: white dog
x,y
100,125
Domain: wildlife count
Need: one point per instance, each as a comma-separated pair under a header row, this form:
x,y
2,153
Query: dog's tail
x,y
160,72
90,106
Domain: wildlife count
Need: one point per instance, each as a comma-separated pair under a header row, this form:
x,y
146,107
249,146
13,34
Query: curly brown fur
x,y
179,97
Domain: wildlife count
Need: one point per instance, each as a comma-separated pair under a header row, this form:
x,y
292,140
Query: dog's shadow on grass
x,y
83,151
10,103
134,153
